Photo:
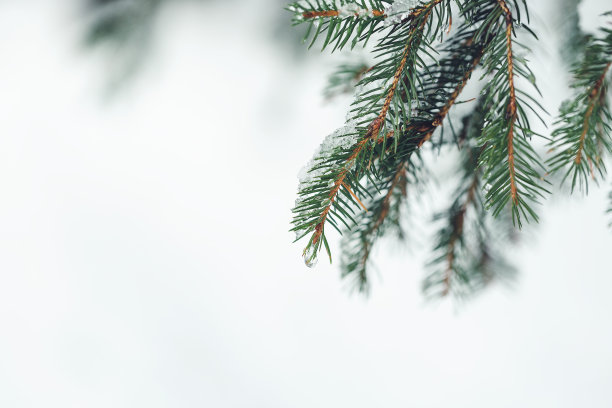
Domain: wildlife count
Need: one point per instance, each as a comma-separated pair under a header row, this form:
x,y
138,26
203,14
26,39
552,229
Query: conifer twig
x,y
340,22
512,167
465,258
336,13
400,102
426,130
457,226
357,243
593,97
399,175
375,126
584,128
511,114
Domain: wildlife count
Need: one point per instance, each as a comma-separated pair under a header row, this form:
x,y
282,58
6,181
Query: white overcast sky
x,y
145,259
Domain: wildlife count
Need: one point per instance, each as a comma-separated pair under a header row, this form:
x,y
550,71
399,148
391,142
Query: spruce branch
x,y
583,134
362,178
597,96
449,79
511,114
385,214
467,256
344,167
339,20
512,167
400,50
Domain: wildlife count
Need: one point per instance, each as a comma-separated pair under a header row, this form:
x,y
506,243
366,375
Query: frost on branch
x,y
338,8
399,10
317,172
342,138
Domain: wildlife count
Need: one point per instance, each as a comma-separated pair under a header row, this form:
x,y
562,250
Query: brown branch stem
x,y
451,101
336,13
354,196
587,117
511,113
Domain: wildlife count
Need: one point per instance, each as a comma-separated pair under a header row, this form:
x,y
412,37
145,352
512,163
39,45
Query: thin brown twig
x,y
336,13
587,117
354,196
451,101
511,113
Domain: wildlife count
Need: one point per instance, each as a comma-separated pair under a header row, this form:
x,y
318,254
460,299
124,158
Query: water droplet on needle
x,y
310,256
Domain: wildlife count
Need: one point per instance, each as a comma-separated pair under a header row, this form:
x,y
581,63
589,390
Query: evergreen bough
x,y
426,53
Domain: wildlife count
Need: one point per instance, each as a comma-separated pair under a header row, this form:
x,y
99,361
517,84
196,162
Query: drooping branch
x,y
407,173
583,135
467,256
399,180
451,101
400,103
512,170
375,126
511,113
594,98
425,130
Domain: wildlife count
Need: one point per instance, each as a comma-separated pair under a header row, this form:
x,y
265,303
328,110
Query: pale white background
x,y
145,259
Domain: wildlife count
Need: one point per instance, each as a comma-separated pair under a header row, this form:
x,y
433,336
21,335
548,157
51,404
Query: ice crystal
x,y
342,139
310,256
349,10
399,10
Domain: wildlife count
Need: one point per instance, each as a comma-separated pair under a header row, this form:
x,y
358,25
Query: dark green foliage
x,y
386,209
338,30
331,195
437,92
365,174
583,134
468,254
401,52
512,168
